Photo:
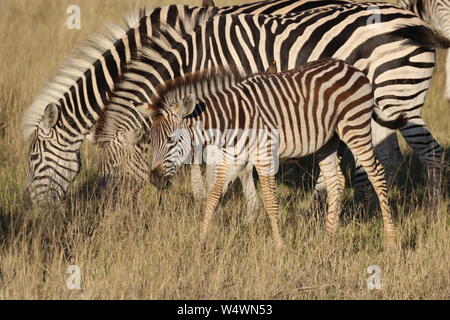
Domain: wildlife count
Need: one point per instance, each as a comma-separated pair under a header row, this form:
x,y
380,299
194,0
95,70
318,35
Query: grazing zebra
x,y
125,146
265,117
65,111
437,14
396,53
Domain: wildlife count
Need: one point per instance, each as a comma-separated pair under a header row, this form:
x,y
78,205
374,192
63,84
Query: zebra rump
x,y
422,36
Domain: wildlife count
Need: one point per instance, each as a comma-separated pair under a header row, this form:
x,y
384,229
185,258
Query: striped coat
x,y
70,104
437,14
388,54
262,118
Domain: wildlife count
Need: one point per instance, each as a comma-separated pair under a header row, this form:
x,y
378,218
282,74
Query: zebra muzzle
x,y
158,179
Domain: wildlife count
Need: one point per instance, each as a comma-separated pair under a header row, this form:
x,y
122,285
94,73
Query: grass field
x,y
148,252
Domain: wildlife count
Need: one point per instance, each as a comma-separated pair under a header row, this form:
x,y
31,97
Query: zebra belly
x,y
302,130
294,145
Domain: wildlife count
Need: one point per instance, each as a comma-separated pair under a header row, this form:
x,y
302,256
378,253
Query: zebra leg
x,y
250,194
340,175
197,183
245,175
375,172
321,185
334,192
213,200
231,175
209,177
320,189
362,184
388,152
429,152
270,201
328,163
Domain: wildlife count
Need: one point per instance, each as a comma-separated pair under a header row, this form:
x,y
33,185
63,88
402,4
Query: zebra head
x,y
124,156
54,158
169,138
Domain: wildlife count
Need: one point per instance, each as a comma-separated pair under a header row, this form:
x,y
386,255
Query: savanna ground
x,y
149,251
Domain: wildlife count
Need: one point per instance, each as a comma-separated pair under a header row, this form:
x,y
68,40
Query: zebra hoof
x,y
391,242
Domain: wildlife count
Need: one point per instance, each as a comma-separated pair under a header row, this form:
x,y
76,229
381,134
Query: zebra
x,y
397,55
263,117
437,14
112,166
64,113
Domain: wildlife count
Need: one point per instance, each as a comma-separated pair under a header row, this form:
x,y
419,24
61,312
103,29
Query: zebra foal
x,y
267,117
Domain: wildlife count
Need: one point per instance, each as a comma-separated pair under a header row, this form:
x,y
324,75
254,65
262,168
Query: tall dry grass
x,y
148,251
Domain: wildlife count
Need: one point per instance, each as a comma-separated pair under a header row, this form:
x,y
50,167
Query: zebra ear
x,y
187,105
51,114
132,136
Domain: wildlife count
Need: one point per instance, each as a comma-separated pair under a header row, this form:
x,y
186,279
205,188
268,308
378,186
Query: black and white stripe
x,y
74,99
437,14
264,117
396,52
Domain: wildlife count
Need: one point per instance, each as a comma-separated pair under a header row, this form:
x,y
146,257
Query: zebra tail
x,y
395,124
422,36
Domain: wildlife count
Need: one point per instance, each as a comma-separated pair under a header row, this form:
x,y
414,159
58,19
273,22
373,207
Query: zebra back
x,y
252,47
75,97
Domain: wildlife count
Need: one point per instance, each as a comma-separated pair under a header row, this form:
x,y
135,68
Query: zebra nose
x,y
157,178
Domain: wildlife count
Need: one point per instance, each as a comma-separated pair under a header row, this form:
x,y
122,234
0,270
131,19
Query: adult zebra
x,y
265,117
399,61
437,14
67,108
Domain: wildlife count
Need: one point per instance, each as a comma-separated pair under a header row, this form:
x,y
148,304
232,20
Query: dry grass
x,y
149,251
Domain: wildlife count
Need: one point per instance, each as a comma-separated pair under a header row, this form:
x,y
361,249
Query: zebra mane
x,y
106,126
156,47
74,67
178,32
203,82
